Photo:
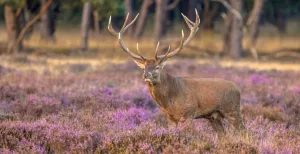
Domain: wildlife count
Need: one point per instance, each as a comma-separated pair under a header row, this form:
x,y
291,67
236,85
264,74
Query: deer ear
x,y
140,64
163,62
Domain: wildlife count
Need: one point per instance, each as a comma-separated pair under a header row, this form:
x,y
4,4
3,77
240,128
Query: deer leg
x,y
181,121
171,123
237,121
216,122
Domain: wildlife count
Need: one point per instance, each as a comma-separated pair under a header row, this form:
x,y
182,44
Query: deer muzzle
x,y
148,77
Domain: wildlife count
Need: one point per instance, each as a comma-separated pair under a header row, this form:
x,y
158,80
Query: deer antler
x,y
140,54
193,26
120,34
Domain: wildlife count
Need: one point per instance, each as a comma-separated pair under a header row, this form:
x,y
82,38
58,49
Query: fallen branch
x,y
203,51
287,53
284,52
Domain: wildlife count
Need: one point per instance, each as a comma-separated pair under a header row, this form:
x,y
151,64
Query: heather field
x,y
70,84
107,109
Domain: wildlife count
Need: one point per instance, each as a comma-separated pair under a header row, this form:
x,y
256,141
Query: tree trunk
x,y
253,25
128,7
206,13
27,17
192,5
142,19
209,14
85,24
227,32
21,19
47,24
236,34
280,20
12,29
30,23
160,19
96,21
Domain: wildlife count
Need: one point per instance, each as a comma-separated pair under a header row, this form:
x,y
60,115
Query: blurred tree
x,y
106,8
48,23
227,30
1,13
12,12
253,25
70,11
129,9
192,4
210,12
30,10
96,21
100,9
236,35
160,19
85,24
161,10
233,28
12,29
276,13
30,23
142,19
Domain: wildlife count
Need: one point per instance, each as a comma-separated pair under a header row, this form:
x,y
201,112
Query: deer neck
x,y
162,91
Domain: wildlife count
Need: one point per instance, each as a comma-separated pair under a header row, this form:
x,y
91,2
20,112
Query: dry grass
x,y
104,49
68,38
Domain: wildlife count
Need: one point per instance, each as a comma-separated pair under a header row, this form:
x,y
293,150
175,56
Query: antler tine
x,y
110,28
187,21
193,26
167,53
125,22
126,27
119,36
197,17
193,29
140,54
156,51
176,51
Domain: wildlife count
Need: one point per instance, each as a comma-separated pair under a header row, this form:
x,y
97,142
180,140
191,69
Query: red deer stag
x,y
182,97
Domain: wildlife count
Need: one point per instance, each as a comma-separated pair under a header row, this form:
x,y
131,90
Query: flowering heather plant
x,y
296,90
260,79
110,111
44,137
34,106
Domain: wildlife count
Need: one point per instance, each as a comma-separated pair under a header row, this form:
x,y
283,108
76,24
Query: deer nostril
x,y
147,75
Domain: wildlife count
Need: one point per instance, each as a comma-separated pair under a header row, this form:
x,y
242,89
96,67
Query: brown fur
x,y
181,98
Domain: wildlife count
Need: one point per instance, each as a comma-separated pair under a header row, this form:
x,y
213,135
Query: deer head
x,y
153,68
